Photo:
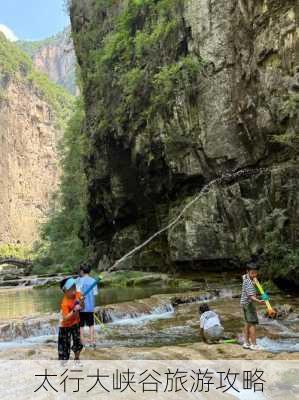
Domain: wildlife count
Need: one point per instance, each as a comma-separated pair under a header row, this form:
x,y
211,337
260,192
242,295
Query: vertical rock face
x,y
244,114
251,48
32,110
56,58
29,172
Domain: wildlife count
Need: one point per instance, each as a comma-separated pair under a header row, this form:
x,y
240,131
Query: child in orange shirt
x,y
69,328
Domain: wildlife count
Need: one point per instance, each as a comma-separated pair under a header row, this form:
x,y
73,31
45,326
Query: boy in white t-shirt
x,y
211,329
87,313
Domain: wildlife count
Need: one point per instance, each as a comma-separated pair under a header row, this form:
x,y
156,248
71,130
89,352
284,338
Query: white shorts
x,y
215,332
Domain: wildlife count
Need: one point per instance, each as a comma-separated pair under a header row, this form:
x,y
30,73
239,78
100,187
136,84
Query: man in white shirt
x,y
87,314
211,329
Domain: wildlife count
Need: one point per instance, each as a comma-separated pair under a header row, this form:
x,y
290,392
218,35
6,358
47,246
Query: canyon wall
x,y
240,110
55,57
30,128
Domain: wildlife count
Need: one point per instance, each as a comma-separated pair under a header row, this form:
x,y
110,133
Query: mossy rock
x,y
131,278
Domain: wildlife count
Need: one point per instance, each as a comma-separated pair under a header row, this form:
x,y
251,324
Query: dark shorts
x,y
86,318
250,314
65,338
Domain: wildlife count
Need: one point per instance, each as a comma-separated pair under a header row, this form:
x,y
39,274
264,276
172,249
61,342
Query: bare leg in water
x,y
91,334
247,333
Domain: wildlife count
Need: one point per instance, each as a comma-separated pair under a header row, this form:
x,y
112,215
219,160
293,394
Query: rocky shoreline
x,y
16,277
194,351
13,277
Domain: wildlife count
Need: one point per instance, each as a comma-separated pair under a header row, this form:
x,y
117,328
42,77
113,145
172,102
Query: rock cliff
x,y
55,57
177,93
32,110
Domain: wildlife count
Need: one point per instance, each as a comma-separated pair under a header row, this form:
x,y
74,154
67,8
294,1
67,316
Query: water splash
x,y
225,179
284,330
158,313
278,346
26,330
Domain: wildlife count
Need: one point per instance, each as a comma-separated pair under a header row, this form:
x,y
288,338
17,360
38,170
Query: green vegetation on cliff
x,y
117,70
290,111
282,263
141,88
56,55
12,59
32,47
14,251
136,70
15,64
139,69
61,242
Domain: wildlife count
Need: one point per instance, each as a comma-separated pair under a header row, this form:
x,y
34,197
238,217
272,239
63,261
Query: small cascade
x,y
155,307
160,320
279,328
133,313
19,330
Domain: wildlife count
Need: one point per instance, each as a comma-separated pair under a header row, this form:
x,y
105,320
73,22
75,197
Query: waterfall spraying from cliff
x,y
225,179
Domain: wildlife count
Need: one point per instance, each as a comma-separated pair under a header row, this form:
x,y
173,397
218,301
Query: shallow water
x,y
278,346
24,302
17,303
165,325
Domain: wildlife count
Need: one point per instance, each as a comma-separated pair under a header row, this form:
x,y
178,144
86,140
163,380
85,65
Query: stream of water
x,y
24,302
164,325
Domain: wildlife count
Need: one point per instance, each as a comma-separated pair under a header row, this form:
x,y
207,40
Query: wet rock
x,y
5,331
45,282
136,309
29,281
11,277
178,300
284,312
29,327
226,222
10,283
194,351
132,278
